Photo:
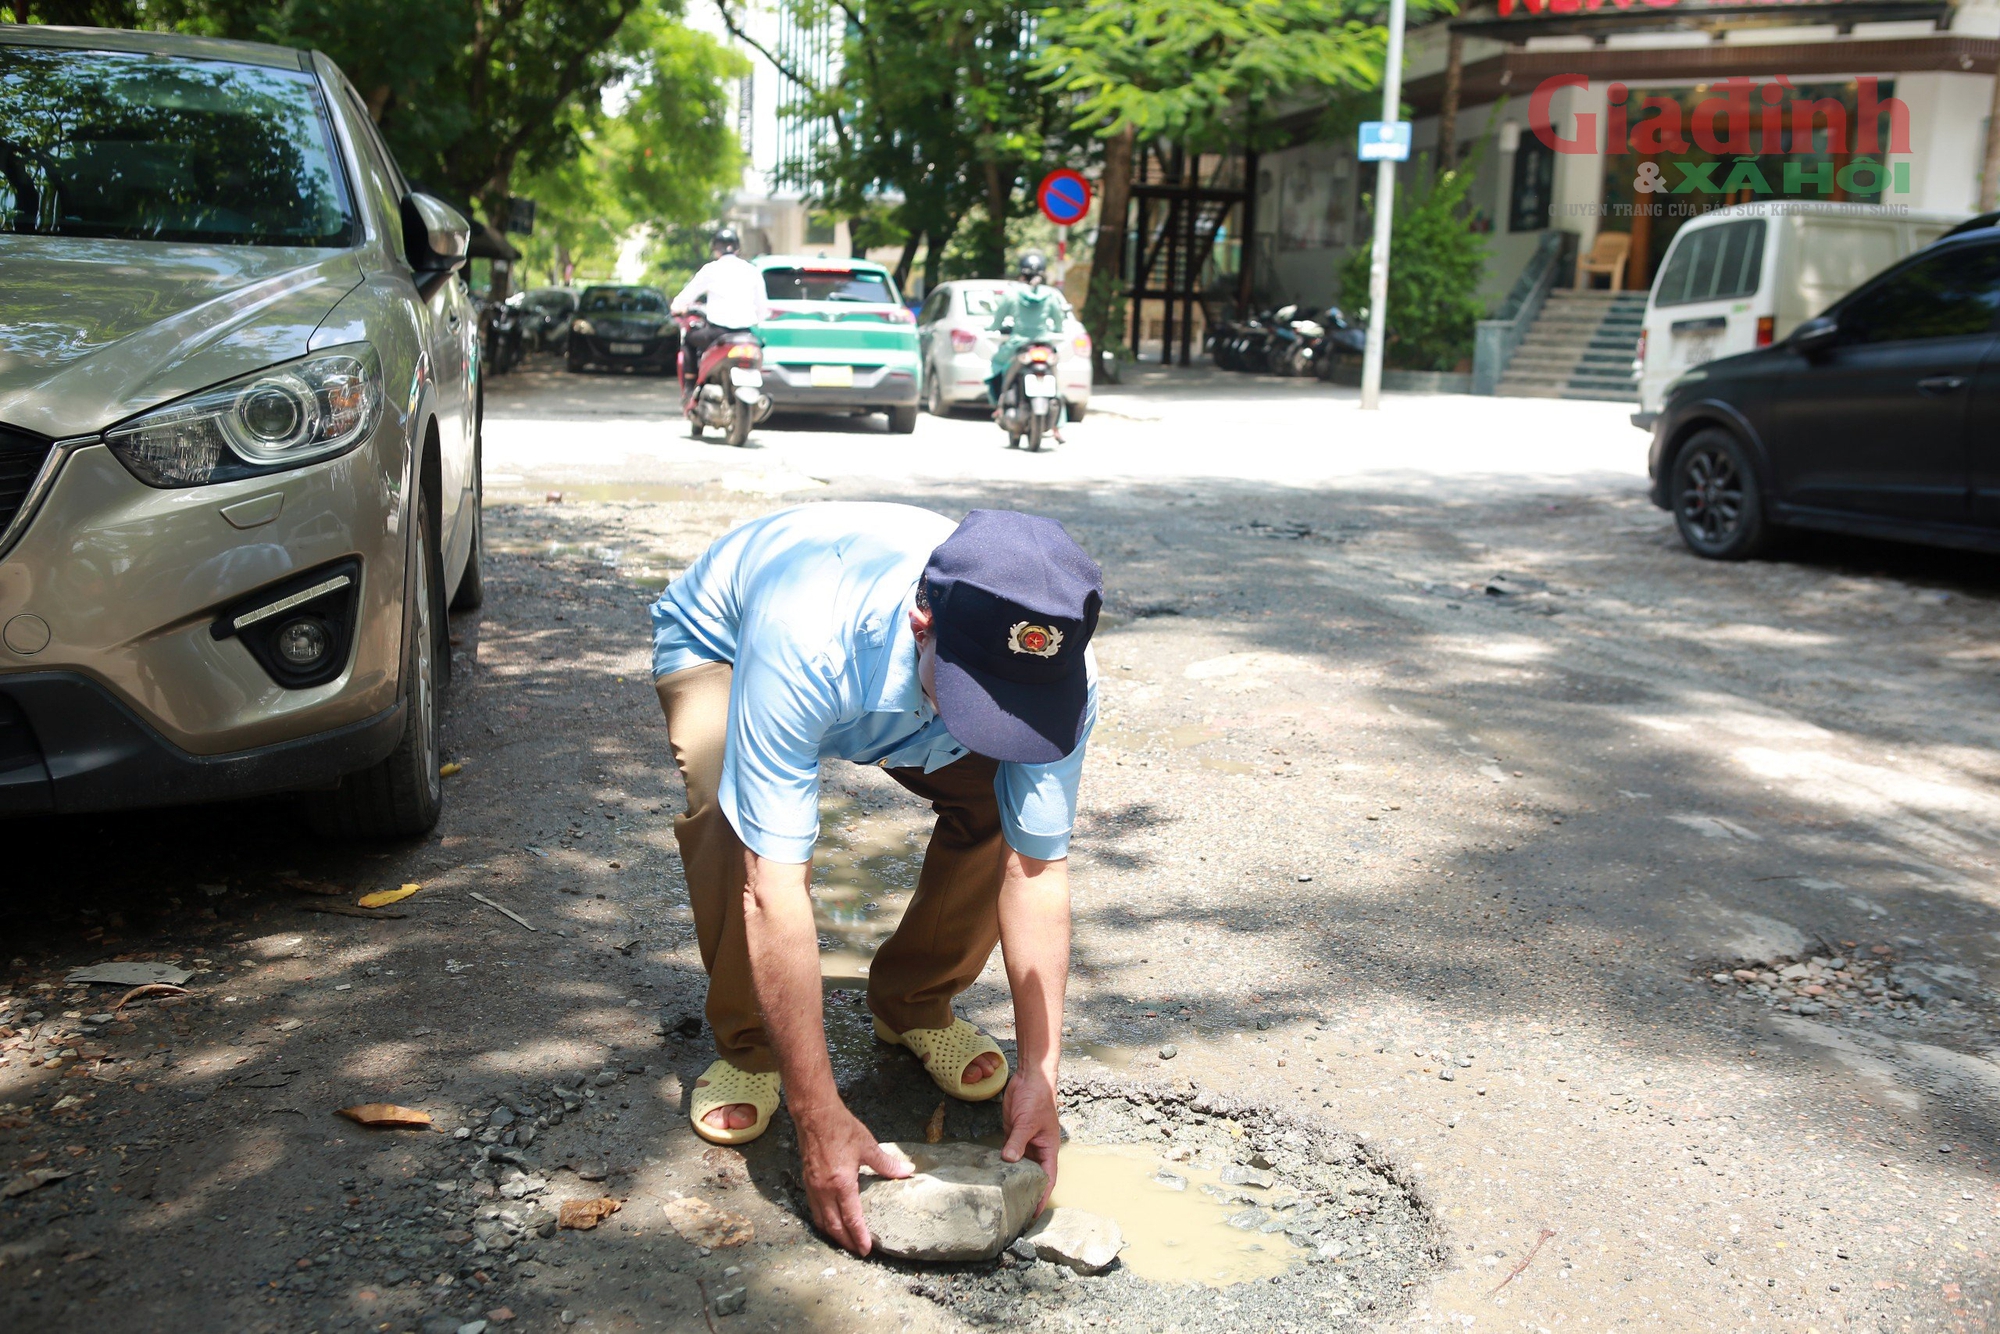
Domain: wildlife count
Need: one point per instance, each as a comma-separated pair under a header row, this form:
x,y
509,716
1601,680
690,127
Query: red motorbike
x,y
727,389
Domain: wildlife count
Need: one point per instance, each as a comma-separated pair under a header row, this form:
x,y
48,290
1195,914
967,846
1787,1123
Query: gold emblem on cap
x,y
1040,640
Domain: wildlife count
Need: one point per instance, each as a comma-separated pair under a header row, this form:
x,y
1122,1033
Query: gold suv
x,y
239,435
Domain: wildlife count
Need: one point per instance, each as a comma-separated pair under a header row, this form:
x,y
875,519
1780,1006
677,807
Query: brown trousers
x,y
938,949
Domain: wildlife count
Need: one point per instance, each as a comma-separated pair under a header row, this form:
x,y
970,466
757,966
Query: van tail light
x,y
1639,356
1767,328
963,340
1083,345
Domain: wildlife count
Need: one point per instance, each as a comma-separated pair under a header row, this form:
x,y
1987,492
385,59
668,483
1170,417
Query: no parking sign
x,y
1064,196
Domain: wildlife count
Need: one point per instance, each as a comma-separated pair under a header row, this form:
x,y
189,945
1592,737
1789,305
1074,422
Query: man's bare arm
x,y
784,968
1034,939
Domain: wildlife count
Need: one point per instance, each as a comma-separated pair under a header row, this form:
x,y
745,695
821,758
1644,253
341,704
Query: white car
x,y
958,348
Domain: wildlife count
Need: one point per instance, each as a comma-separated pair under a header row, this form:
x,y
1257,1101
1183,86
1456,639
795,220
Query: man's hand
x,y
833,1148
1029,1115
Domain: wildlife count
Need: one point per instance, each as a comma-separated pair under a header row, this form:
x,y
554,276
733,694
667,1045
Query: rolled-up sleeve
x,y
778,714
1038,801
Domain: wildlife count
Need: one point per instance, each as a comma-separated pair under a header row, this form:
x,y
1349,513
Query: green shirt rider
x,y
1031,312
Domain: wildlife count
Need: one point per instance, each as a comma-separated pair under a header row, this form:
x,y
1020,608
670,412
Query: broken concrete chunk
x,y
130,974
964,1203
1235,1174
1088,1243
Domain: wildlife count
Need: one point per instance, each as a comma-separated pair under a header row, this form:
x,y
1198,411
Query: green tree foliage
x,y
663,160
1199,72
935,101
1435,263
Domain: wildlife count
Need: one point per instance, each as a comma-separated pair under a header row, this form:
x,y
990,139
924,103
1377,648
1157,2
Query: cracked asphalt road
x,y
1434,784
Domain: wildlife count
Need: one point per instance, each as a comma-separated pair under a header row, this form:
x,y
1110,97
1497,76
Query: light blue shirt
x,y
812,607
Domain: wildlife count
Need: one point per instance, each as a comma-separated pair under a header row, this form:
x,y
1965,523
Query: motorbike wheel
x,y
738,433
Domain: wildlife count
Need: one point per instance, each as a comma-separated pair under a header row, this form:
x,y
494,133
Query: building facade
x,y
1622,118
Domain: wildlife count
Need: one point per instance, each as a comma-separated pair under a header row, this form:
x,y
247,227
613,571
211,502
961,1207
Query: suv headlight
x,y
284,417
583,327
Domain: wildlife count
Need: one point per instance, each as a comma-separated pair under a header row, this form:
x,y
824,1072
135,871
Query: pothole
x,y
1236,1217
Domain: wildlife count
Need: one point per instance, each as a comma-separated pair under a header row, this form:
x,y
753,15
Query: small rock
x,y
1084,1242
605,1079
1249,1219
730,1302
473,1327
964,1203
1446,1074
1168,1052
1236,1174
1022,1249
1263,1024
1170,1180
501,1117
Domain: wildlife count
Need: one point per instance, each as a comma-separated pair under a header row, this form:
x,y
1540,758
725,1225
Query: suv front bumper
x,y
68,746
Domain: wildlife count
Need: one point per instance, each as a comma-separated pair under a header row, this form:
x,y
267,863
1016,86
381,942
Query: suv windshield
x,y
623,300
151,148
829,285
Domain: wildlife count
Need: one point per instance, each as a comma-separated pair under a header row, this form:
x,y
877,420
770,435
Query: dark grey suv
x,y
1877,417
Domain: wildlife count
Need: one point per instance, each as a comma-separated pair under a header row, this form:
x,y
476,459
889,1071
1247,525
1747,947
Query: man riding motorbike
x,y
732,293
1031,312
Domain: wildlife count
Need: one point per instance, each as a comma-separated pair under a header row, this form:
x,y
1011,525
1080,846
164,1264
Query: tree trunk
x,y
1454,70
1107,256
909,258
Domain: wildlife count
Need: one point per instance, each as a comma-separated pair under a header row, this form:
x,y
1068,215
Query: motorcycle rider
x,y
1031,312
733,300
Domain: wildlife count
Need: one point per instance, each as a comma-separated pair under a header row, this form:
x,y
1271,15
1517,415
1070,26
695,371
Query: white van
x,y
1743,277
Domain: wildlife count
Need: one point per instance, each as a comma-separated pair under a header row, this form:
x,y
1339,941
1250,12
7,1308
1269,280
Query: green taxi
x,y
839,338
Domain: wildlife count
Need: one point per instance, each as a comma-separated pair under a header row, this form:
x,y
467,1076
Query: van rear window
x,y
1713,263
829,285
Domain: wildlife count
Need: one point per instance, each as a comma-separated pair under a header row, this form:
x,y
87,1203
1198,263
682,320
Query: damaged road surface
x,y
1487,916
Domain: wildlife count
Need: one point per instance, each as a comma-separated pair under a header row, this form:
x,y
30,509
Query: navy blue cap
x,y
1014,601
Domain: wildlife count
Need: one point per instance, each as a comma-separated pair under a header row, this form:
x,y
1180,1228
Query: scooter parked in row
x,y
727,388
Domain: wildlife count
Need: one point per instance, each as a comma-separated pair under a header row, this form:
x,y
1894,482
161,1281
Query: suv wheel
x,y
1718,506
934,394
402,796
903,420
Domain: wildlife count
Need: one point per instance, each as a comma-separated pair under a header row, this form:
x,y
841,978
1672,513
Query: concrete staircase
x,y
1581,346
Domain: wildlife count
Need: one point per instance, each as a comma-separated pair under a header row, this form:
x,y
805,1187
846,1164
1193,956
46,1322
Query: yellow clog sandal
x,y
946,1052
723,1085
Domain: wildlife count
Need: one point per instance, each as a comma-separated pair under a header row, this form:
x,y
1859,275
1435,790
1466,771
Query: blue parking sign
x,y
1385,140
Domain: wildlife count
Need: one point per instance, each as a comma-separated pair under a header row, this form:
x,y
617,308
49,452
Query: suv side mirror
x,y
1816,334
435,234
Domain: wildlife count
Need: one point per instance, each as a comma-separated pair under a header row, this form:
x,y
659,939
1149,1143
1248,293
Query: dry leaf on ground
x,y
934,1128
386,1114
583,1215
702,1224
382,898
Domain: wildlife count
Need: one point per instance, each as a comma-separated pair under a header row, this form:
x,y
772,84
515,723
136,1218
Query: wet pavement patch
x,y
1235,1217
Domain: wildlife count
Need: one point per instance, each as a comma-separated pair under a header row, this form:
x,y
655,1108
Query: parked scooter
x,y
499,336
1031,404
1340,337
727,388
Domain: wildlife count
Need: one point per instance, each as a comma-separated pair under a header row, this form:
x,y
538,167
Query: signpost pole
x,y
1385,198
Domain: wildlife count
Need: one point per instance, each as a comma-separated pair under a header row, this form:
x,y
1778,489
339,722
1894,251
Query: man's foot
x,y
729,1105
961,1060
736,1116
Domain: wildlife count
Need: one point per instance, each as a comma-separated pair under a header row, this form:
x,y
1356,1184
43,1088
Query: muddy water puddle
x,y
1172,1234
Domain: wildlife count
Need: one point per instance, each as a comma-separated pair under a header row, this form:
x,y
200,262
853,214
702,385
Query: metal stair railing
x,y
1497,339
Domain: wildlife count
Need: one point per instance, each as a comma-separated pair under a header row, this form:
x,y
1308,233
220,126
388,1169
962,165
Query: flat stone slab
x,y
1086,1242
964,1203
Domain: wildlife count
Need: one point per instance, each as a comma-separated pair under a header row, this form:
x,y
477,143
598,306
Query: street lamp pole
x,y
1385,200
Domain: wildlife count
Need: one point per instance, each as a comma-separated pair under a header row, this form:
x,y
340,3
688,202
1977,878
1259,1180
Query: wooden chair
x,y
1607,256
